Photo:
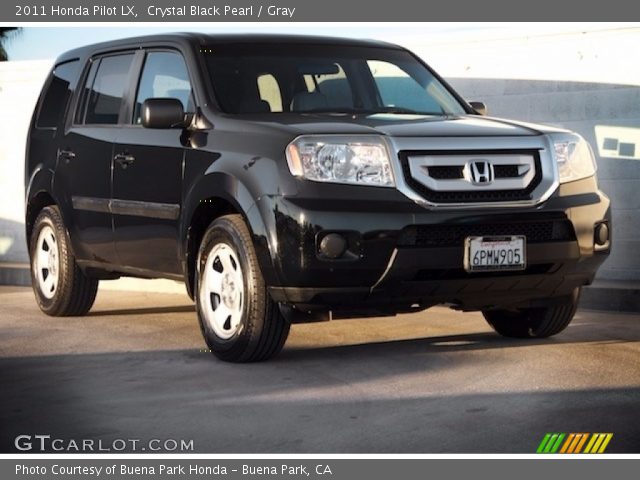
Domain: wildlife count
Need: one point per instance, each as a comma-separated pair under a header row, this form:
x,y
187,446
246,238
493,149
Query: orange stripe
x,y
581,444
574,443
567,442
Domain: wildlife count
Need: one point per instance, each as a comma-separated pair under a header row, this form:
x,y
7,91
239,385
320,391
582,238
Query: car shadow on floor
x,y
574,334
580,331
143,311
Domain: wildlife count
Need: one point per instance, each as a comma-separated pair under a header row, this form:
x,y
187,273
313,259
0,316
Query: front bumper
x,y
390,268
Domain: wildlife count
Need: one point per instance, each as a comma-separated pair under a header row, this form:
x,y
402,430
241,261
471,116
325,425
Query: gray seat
x,y
307,101
253,105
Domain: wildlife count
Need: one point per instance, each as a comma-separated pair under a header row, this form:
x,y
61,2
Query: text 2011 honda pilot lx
x,y
296,179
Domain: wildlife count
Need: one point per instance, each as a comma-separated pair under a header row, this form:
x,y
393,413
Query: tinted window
x,y
325,78
107,90
164,76
86,90
399,89
57,95
334,87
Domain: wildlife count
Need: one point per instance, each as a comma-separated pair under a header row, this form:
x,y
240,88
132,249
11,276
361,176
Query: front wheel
x,y
238,319
534,322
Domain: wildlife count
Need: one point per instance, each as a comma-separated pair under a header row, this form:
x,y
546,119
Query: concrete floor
x,y
438,381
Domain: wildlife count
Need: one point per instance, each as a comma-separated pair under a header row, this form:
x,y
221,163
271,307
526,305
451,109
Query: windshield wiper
x,y
371,111
409,111
340,111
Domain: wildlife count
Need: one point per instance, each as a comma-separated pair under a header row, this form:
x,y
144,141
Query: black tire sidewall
x,y
223,231
50,217
535,322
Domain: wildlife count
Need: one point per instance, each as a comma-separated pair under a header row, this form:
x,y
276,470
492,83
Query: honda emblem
x,y
481,172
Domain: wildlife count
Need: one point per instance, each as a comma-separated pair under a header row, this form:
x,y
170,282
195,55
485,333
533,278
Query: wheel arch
x,y
216,195
38,196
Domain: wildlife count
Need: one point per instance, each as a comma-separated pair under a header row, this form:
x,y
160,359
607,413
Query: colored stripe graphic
x,y
556,445
565,447
581,443
598,442
576,439
550,443
574,443
606,441
591,442
543,443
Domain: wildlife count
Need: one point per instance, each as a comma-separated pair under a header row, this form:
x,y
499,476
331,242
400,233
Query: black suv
x,y
296,179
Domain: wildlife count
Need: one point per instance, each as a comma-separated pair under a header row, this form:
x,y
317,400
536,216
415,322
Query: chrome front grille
x,y
445,177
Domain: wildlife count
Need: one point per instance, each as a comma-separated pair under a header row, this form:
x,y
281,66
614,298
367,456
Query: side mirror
x,y
479,107
163,113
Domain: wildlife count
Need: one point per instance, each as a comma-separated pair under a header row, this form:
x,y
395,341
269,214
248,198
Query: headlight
x,y
574,157
359,160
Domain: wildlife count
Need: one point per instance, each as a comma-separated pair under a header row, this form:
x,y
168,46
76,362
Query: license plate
x,y
490,254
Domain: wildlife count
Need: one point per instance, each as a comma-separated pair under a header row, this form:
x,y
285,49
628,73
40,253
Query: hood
x,y
396,125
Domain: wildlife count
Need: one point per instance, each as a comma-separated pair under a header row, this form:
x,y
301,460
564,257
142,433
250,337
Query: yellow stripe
x,y
567,442
590,444
574,443
598,442
584,439
606,442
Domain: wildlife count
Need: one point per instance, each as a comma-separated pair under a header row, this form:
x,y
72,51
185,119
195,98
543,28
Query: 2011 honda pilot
x,y
295,179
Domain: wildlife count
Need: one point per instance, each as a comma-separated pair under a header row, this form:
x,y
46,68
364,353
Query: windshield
x,y
280,78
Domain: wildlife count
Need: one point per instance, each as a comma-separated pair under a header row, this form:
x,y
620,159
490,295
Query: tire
x,y
60,286
238,319
534,322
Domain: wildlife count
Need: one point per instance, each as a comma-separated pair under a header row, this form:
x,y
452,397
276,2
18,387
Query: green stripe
x,y
558,443
543,443
550,443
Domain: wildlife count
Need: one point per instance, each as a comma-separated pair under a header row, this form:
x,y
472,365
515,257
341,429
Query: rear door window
x,y
107,89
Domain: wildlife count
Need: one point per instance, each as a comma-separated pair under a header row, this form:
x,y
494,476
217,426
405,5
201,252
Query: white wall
x,y
20,84
597,54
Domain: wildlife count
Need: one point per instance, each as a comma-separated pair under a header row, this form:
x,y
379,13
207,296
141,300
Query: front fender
x,y
221,186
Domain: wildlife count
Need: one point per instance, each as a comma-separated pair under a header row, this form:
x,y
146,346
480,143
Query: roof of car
x,y
217,39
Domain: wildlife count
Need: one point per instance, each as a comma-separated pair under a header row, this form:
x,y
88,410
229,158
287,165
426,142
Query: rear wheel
x,y
60,286
534,322
238,319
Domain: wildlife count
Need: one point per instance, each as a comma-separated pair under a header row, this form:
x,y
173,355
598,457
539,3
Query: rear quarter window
x,y
57,94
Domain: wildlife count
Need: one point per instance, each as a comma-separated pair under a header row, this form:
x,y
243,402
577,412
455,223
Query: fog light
x,y
333,245
601,234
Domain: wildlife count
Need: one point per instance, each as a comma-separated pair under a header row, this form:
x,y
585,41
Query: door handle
x,y
66,155
124,159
